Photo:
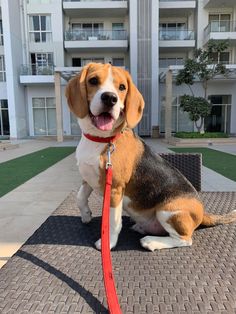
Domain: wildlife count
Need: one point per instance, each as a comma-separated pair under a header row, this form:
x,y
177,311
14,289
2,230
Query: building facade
x,y
40,39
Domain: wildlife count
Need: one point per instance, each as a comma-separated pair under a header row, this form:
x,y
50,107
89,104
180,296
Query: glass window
x,y
119,62
41,63
44,115
221,57
219,22
88,60
4,118
1,34
75,129
82,31
40,28
2,69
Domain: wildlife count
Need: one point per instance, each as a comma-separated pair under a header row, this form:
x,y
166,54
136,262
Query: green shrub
x,y
199,135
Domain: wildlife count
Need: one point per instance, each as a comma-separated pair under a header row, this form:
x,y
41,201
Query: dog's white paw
x,y
149,244
86,217
98,244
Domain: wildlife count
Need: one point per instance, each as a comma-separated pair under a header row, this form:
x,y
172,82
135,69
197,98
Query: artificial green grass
x,y
17,171
199,135
220,162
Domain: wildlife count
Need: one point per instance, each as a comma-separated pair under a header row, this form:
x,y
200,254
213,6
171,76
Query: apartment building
x,y
45,42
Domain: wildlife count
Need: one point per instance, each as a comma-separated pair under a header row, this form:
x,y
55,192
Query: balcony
x,y
220,30
102,40
35,74
175,38
102,8
177,4
218,3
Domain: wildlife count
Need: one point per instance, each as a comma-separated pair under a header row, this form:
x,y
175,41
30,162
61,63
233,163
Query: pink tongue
x,y
104,122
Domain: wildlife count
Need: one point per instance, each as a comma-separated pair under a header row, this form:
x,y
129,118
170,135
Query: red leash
x,y
112,299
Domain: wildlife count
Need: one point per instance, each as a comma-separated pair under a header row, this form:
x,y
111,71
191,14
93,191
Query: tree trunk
x,y
200,127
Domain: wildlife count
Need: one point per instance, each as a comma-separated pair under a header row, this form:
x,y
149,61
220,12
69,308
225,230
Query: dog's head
x,y
104,99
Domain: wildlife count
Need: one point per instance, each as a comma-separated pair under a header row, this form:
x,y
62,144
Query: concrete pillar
x,y
168,105
57,79
133,39
11,17
155,64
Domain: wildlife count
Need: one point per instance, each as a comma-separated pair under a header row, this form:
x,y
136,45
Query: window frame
x,y
40,31
2,69
45,109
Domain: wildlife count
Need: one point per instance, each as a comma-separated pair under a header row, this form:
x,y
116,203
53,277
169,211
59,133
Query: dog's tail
x,y
213,220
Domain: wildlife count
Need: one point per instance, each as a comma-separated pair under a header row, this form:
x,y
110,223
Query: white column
x,y
13,49
133,39
155,64
168,105
59,114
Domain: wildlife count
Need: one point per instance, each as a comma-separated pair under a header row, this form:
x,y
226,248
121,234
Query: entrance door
x,y
214,122
219,118
4,118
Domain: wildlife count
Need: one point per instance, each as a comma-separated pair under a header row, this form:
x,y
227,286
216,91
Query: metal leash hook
x,y
110,150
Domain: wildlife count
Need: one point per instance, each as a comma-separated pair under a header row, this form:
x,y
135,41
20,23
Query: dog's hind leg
x,y
82,197
180,227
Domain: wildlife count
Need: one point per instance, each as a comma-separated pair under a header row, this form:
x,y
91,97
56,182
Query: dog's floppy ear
x,y
134,104
76,94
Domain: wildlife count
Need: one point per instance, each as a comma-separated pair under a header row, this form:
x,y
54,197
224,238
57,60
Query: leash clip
x,y
110,150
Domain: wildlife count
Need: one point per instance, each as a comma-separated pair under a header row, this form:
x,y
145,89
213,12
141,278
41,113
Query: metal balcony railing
x,y
220,26
176,34
87,34
35,69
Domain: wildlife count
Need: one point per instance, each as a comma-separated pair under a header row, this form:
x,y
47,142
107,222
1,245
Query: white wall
x,y
3,90
13,59
54,8
47,91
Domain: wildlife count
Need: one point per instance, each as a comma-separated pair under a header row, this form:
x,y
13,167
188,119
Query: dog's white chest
x,y
88,160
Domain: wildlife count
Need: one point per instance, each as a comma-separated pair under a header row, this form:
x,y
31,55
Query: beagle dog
x,y
162,202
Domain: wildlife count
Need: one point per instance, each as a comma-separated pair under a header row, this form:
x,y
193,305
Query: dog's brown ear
x,y
76,94
134,104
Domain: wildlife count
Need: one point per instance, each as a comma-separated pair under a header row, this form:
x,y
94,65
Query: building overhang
x,y
95,8
177,4
231,75
68,72
97,45
218,3
181,44
221,36
36,79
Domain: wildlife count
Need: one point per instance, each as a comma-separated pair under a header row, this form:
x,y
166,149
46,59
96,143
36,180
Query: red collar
x,y
102,139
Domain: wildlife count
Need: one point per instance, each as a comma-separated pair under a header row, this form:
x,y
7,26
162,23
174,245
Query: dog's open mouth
x,y
104,121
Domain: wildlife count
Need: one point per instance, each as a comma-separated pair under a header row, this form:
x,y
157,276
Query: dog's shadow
x,y
69,230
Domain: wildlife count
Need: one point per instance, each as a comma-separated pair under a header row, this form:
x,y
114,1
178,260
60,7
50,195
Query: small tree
x,y
203,69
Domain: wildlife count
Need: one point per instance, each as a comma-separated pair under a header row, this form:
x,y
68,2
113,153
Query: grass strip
x,y
19,170
199,135
220,162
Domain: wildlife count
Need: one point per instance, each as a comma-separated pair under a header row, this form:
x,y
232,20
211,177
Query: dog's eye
x,y
122,87
93,81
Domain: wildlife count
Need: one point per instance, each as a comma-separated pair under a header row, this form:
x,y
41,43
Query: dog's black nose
x,y
109,99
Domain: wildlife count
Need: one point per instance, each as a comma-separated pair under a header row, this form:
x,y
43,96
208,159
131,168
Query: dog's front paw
x,y
86,217
98,244
148,243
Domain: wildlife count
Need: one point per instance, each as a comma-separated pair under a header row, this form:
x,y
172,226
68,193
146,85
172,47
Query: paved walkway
x,y
24,209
